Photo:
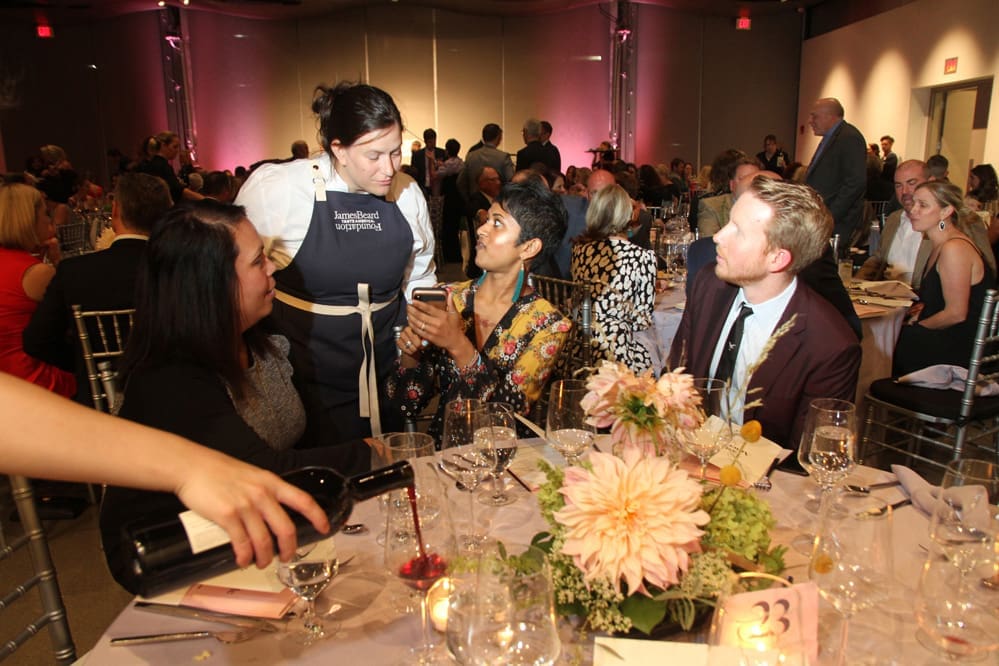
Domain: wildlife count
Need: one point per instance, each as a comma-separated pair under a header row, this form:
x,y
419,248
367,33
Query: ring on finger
x,y
409,344
423,326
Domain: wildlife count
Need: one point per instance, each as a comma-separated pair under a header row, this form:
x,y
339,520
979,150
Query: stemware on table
x,y
715,433
958,596
421,555
567,430
307,575
399,446
852,558
496,441
502,611
460,460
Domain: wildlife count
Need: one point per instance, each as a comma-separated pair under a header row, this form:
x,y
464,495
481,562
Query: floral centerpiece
x,y
635,541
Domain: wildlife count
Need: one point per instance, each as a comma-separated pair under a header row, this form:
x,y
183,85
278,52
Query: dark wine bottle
x,y
170,550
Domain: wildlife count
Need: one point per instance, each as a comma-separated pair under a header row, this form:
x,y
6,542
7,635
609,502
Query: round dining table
x,y
373,625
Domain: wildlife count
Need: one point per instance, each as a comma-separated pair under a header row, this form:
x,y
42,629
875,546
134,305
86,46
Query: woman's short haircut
x,y
540,214
187,295
350,110
609,213
19,205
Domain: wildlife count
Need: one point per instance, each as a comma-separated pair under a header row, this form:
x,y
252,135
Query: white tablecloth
x,y
374,632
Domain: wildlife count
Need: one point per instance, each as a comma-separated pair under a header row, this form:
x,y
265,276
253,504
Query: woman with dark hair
x,y
983,187
621,278
200,362
497,340
944,320
160,150
26,239
352,236
653,191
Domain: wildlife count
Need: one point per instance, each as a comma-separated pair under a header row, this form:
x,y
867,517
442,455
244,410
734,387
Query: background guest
x,y
26,238
621,279
943,322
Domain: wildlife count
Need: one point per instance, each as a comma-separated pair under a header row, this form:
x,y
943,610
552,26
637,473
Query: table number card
x,y
779,619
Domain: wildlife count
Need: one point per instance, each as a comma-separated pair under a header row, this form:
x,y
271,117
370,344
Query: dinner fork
x,y
237,636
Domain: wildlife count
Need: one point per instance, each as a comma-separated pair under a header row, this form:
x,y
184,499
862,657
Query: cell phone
x,y
435,296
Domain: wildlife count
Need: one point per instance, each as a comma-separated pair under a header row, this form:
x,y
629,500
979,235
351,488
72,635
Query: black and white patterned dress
x,y
622,279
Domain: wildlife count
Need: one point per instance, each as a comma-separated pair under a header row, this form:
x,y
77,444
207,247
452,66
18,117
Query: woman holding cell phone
x,y
494,339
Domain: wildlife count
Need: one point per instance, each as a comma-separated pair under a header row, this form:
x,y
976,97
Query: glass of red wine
x,y
420,556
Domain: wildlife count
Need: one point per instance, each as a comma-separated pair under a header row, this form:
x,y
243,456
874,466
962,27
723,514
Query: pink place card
x,y
254,603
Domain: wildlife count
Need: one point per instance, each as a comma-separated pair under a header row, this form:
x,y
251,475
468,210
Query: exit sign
x,y
743,23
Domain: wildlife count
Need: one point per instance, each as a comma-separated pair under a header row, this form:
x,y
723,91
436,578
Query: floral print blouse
x,y
513,365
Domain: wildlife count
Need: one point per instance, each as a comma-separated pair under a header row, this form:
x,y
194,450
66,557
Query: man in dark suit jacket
x,y
553,152
776,229
534,151
426,161
102,280
890,160
838,170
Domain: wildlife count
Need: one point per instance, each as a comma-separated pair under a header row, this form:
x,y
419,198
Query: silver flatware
x,y
872,486
354,528
765,484
875,512
237,636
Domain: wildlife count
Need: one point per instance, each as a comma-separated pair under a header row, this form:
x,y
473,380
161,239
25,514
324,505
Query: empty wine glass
x,y
307,574
714,433
957,618
420,556
502,610
459,459
964,521
496,441
852,557
567,431
398,446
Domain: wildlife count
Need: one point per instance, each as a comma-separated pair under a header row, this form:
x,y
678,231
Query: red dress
x,y
16,309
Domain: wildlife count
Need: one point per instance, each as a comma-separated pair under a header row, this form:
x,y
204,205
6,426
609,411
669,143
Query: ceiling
x,y
62,11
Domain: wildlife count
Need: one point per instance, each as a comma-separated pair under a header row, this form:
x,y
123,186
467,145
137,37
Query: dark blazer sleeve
x,y
47,335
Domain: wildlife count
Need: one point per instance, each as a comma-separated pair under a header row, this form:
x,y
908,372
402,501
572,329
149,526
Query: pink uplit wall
x,y
699,87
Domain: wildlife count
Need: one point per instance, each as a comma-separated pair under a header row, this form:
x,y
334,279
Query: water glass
x,y
567,430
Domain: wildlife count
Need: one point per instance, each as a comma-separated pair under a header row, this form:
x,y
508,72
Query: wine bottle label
x,y
202,533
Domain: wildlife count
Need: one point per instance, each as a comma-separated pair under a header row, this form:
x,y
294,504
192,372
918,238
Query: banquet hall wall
x,y
700,86
883,69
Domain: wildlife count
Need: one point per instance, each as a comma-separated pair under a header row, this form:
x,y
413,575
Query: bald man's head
x,y
598,180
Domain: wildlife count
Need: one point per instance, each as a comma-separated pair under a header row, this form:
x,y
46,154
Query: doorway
x,y
959,116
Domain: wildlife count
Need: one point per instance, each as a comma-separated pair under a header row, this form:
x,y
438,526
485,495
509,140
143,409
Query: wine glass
x,y
852,558
714,433
964,521
828,444
496,441
957,618
503,611
567,431
398,446
420,556
307,574
459,460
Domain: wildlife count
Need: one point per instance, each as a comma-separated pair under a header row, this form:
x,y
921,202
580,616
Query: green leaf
x,y
645,613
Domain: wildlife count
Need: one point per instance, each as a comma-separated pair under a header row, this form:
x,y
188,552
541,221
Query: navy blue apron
x,y
337,302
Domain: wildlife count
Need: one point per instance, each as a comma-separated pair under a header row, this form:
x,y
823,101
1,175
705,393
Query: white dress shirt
x,y
279,199
902,253
756,331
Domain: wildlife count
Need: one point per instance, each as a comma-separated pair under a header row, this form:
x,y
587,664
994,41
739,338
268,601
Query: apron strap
x,y
318,181
367,382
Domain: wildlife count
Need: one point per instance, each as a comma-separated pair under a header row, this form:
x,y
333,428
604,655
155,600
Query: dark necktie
x,y
726,362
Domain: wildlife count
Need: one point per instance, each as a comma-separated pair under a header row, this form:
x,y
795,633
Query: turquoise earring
x,y
520,283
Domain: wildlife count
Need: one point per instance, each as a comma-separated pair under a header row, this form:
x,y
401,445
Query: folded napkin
x,y
947,377
927,498
887,288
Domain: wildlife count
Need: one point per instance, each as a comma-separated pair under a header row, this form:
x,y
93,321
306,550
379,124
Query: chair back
x,y
44,578
103,334
984,364
74,238
573,300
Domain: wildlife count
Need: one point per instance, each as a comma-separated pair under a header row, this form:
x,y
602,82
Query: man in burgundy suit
x,y
775,230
